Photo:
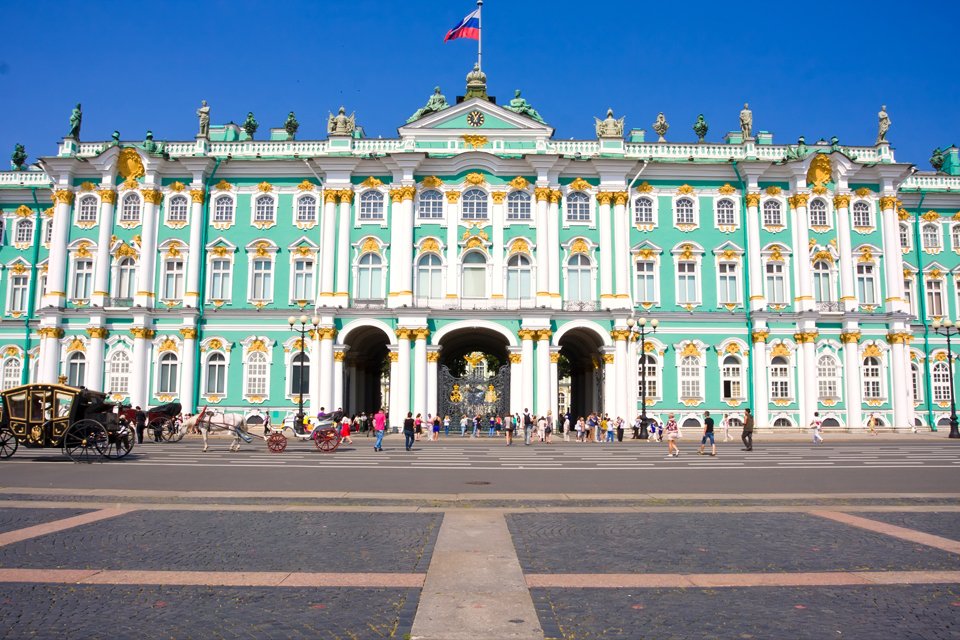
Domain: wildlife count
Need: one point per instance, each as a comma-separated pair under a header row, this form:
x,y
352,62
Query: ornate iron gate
x,y
473,393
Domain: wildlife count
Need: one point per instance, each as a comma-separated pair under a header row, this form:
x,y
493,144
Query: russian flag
x,y
469,27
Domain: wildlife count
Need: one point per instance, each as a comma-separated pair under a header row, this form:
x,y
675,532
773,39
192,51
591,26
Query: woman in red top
x,y
345,429
418,427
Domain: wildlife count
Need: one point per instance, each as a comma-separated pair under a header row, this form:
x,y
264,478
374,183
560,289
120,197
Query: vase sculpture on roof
x,y
700,128
660,127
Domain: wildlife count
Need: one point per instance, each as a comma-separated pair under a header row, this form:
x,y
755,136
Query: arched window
x,y
12,370
643,210
782,422
82,279
76,369
691,424
904,236
724,213
955,237
652,390
371,205
474,275
690,378
915,382
518,205
369,277
518,277
263,210
429,276
828,383
871,378
167,373
306,209
578,207
216,375
87,209
779,378
118,373
861,214
24,232
172,279
126,278
731,378
822,282
941,382
257,375
300,374
818,213
473,205
177,208
683,211
772,214
430,204
579,279
829,422
130,208
931,236
223,209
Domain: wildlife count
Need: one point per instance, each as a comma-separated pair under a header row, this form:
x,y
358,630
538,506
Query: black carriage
x,y
163,419
79,421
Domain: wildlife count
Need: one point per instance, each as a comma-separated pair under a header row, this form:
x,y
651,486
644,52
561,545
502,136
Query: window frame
x,y
435,198
173,205
828,376
263,210
160,375
86,218
434,270
371,207
720,224
694,213
519,199
861,207
485,274
577,208
363,265
584,270
474,204
299,207
781,386
814,208
131,210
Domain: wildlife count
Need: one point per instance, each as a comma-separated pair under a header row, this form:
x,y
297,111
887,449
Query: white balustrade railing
x,y
931,181
583,147
25,178
369,145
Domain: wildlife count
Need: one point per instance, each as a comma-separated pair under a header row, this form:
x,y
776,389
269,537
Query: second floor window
x,y
371,205
18,293
130,208
87,209
173,279
429,272
518,277
646,281
729,292
518,205
871,379
818,213
822,282
866,284
473,205
264,209
24,232
861,214
579,279
725,215
303,279
369,278
643,211
306,209
931,236
82,279
684,211
126,278
776,283
261,281
772,214
904,236
827,380
687,289
216,375
578,207
220,279
223,210
934,289
430,205
779,378
177,208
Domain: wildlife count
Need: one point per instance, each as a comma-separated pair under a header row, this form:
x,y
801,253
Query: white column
x,y
543,371
343,248
543,247
433,358
453,246
140,367
49,354
402,379
553,250
94,379
851,374
757,301
197,252
57,264
807,400
328,247
516,379
313,384
496,237
621,231
101,279
338,398
325,368
420,371
398,408
801,249
607,249
401,246
554,383
620,367
841,204
633,380
526,351
761,401
146,270
892,256
609,384
189,380
902,394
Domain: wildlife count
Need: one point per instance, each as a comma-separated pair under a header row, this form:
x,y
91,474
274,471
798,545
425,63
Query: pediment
x,y
457,119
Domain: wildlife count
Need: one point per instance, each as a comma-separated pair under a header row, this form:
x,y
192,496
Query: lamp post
x,y
303,330
949,328
638,329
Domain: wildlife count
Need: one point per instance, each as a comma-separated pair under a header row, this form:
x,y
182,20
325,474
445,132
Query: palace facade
x,y
786,278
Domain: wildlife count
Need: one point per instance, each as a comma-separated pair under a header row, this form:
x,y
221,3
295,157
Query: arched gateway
x,y
473,376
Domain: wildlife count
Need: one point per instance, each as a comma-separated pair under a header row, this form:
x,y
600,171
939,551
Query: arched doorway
x,y
366,370
473,373
580,371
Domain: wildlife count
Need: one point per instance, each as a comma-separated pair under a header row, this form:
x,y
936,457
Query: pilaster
x,y
101,282
851,371
761,393
841,204
757,297
527,337
95,359
453,246
326,337
56,295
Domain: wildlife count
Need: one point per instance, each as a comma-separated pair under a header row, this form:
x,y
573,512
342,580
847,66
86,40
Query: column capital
x,y
620,198
394,356
608,358
197,195
760,336
152,196
142,333
98,332
753,200
604,197
850,337
515,358
107,196
453,197
555,358
498,196
339,356
345,195
555,195
888,203
329,196
798,200
544,334
805,337
433,356
189,333
620,334
326,333
62,196
542,194
841,201
903,337
403,333
527,334
50,332
420,333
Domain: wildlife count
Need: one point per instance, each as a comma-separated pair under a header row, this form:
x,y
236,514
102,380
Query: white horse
x,y
229,422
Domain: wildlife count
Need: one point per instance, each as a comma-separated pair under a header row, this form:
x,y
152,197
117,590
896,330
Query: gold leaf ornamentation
x,y
498,196
644,187
773,190
690,350
430,245
223,185
872,351
107,196
863,192
474,141
129,164
519,183
475,179
167,345
520,246
371,182
264,187
684,189
820,171
727,189
370,245
453,197
177,186
431,182
753,199
579,246
579,185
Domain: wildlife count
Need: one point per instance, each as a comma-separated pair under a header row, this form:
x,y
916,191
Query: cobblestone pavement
x,y
946,524
13,519
908,612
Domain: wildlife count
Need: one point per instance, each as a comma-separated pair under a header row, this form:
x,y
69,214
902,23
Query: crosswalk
x,y
494,454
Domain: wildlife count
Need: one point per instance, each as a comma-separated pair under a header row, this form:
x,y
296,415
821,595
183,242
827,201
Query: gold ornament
x,y
129,164
431,182
579,185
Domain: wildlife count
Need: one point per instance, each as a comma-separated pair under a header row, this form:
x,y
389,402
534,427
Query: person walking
x,y
611,428
463,426
379,426
636,428
566,428
872,424
436,427
527,426
476,426
708,434
141,420
541,427
817,427
509,425
725,423
345,429
673,432
409,430
446,426
747,435
417,427
548,428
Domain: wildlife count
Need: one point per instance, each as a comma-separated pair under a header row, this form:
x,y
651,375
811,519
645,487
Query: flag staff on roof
x,y
469,27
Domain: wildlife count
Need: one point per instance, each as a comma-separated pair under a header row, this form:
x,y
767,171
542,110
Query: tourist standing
x,y
436,427
409,430
708,434
463,426
747,435
673,432
872,424
345,429
508,426
611,428
379,426
566,428
141,419
817,427
527,426
446,426
417,427
541,427
725,423
476,426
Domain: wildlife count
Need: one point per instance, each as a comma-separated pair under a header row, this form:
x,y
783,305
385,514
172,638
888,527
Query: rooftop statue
x,y
340,124
883,124
148,144
76,118
798,151
437,102
700,128
937,160
524,108
250,125
660,127
291,125
204,114
18,158
476,83
746,121
114,139
609,127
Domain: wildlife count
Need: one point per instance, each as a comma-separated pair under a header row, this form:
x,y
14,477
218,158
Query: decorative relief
x,y
129,164
872,351
780,350
519,183
684,189
306,185
76,345
773,190
841,201
820,170
691,349
866,255
177,186
167,345
223,185
130,185
753,200
863,192
498,196
453,197
371,182
474,141
429,245
824,255
520,246
727,189
644,187
579,246
107,196
474,179
931,216
579,185
83,250
431,182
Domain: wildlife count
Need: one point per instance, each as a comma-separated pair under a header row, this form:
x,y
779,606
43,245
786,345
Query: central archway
x,y
580,371
366,368
473,372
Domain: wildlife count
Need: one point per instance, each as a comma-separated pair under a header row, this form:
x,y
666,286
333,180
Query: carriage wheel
x,y
328,441
277,442
8,443
120,443
86,441
159,428
173,432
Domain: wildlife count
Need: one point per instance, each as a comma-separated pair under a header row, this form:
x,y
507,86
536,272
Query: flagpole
x,y
479,35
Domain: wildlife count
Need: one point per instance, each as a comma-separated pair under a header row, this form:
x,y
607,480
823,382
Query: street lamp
x,y
949,328
638,329
303,329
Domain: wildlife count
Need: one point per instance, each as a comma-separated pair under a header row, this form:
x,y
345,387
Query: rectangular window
x,y
262,280
908,294
686,282
934,297
729,292
82,279
173,280
776,283
219,280
303,280
646,289
779,382
18,293
866,286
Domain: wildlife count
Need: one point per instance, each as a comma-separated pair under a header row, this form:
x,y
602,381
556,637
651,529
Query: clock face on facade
x,y
475,118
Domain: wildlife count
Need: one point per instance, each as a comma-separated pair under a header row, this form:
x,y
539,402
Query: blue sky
x,y
812,68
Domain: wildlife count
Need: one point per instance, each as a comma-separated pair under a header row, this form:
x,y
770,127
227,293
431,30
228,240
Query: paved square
x,y
945,523
12,519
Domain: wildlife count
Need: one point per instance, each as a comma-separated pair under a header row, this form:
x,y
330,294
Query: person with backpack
x,y
527,426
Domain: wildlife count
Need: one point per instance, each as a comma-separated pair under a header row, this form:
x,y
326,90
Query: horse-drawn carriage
x,y
79,421
325,434
162,419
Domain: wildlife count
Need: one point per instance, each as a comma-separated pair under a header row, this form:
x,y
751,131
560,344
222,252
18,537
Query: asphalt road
x,y
456,466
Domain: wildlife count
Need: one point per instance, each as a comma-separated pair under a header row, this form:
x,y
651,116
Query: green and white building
x,y
785,278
